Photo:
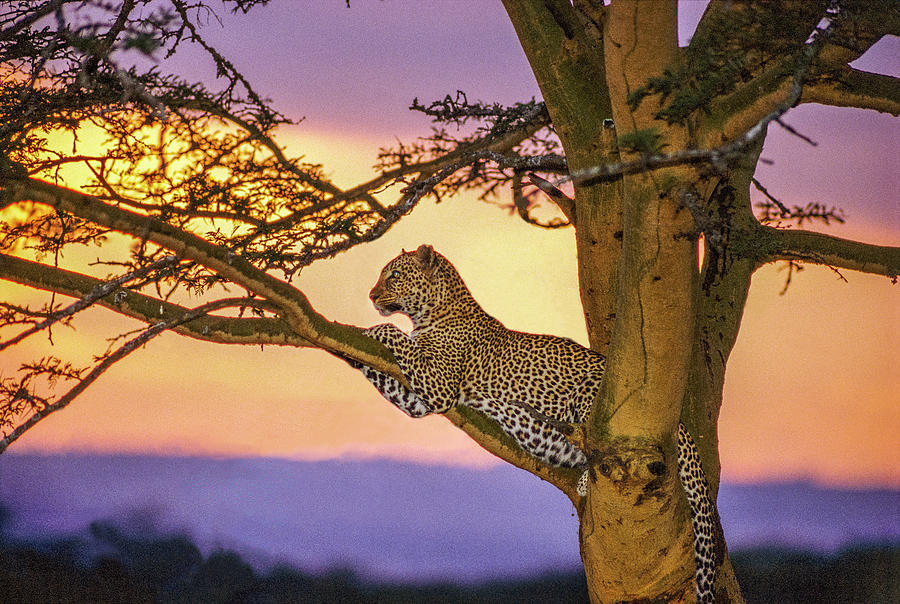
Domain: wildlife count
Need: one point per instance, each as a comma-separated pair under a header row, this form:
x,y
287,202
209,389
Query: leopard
x,y
535,386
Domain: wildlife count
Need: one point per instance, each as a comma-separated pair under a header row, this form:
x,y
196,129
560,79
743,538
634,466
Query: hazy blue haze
x,y
389,520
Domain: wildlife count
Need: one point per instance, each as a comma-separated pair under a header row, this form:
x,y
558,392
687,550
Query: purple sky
x,y
357,70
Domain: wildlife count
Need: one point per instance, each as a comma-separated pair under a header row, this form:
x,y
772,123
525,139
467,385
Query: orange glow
x,y
811,388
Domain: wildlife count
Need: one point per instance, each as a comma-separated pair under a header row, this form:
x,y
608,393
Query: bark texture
x,y
634,242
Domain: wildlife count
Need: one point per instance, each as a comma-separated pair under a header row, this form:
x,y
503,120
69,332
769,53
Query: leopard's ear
x,y
427,259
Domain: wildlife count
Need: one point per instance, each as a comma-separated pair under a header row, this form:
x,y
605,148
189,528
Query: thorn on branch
x,y
792,266
837,272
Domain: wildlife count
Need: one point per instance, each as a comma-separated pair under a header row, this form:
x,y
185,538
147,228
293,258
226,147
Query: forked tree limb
x,y
250,330
110,359
833,81
343,340
301,325
853,89
165,315
858,89
88,298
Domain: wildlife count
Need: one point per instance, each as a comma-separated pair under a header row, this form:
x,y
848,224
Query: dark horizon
x,y
109,565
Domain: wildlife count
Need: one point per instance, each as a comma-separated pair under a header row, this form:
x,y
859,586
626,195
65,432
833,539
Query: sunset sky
x,y
812,386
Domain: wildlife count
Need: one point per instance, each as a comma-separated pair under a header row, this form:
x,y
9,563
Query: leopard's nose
x,y
373,295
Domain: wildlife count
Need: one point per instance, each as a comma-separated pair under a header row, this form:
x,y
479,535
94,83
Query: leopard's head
x,y
412,283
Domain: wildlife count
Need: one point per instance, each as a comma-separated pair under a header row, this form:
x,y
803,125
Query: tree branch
x,y
856,88
108,94
487,433
317,183
769,244
496,144
343,340
295,309
854,28
28,20
209,328
565,203
107,362
102,289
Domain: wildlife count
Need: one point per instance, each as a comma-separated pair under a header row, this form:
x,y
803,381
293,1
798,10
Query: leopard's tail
x,y
582,486
708,536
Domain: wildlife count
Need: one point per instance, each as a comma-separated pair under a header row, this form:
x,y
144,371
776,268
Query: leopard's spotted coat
x,y
530,384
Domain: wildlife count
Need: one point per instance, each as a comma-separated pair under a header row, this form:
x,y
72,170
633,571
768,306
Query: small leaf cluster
x,y
461,127
26,392
201,158
649,141
732,47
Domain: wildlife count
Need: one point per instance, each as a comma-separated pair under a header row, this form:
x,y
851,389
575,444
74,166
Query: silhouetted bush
x,y
863,574
111,566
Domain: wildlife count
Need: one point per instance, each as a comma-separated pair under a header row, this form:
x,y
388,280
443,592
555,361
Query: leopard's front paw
x,y
385,333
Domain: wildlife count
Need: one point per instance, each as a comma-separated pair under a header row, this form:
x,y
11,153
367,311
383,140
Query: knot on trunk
x,y
632,467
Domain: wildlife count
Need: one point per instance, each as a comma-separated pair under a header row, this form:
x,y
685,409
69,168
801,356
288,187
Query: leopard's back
x,y
556,376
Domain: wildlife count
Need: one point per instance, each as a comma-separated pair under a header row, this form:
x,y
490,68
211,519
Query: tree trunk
x,y
636,539
643,302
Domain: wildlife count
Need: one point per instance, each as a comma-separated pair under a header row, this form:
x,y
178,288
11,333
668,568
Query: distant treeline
x,y
109,566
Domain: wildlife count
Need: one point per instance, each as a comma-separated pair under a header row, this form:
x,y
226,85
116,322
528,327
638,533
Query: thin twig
x,y
785,212
120,353
92,296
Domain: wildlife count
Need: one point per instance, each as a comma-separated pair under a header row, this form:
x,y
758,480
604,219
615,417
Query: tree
x,y
659,142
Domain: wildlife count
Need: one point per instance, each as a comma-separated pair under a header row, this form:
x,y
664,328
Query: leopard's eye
x,y
394,274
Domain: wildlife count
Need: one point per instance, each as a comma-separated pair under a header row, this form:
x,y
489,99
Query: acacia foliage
x,y
200,158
